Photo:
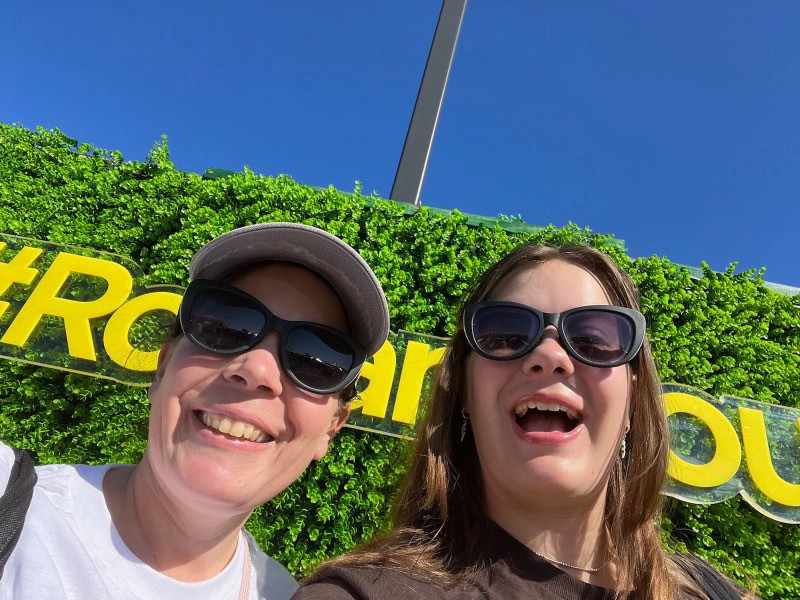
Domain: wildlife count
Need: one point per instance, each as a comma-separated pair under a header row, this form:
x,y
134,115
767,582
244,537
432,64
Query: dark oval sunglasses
x,y
600,336
222,319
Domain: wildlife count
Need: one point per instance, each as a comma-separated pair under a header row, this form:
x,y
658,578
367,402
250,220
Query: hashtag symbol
x,y
18,270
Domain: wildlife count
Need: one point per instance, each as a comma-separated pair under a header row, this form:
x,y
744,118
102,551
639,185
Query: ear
x,y
337,422
161,366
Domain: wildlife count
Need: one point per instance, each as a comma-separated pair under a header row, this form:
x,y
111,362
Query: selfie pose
x,y
253,385
538,467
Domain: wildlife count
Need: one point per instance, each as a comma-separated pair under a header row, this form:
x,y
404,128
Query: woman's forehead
x,y
553,286
293,292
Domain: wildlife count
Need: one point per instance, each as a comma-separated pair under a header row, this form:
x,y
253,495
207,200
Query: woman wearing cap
x,y
537,470
272,332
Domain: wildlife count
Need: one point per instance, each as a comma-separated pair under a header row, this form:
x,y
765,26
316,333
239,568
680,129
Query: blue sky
x,y
674,126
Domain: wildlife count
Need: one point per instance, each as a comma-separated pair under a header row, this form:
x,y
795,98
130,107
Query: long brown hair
x,y
440,518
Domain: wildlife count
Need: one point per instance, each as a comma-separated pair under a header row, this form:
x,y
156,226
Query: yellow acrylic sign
x,y
85,311
397,380
57,298
727,446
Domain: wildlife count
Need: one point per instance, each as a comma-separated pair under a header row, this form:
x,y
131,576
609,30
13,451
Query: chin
x,y
560,478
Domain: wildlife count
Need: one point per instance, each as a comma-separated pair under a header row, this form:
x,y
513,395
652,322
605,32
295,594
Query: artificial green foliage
x,y
725,333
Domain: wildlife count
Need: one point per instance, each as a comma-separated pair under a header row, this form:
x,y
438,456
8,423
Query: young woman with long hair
x,y
538,468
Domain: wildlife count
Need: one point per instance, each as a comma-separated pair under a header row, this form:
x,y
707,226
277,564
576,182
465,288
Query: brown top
x,y
512,572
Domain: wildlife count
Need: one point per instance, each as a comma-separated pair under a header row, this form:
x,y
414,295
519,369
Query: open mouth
x,y
538,416
232,428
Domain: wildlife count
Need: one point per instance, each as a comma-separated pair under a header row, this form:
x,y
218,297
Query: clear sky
x,y
674,126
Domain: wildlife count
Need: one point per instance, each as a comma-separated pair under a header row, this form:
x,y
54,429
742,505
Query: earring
x,y
464,419
623,449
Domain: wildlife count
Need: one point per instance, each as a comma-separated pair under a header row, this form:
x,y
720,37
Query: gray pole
x,y
419,138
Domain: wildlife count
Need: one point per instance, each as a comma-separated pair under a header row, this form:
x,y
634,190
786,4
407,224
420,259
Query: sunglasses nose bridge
x,y
550,319
271,341
551,327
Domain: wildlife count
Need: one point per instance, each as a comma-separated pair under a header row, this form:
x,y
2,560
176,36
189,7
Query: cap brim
x,y
325,254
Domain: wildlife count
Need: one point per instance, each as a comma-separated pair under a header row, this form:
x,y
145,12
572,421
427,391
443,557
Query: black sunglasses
x,y
600,336
222,319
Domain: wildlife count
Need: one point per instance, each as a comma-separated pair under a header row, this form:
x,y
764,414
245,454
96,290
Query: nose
x,y
259,368
548,357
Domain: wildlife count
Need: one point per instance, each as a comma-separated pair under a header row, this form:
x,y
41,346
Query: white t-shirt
x,y
70,549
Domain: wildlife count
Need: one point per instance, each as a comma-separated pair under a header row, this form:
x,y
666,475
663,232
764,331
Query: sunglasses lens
x,y
504,331
224,322
318,358
599,336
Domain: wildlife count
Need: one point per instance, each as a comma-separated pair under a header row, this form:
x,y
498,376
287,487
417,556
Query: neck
x,y
563,535
169,535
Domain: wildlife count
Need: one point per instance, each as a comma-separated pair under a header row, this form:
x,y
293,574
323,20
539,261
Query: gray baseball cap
x,y
319,251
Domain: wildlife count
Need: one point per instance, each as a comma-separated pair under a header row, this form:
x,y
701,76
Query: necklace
x,y
565,564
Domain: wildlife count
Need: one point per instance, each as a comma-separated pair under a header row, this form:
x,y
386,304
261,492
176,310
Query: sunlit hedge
x,y
724,333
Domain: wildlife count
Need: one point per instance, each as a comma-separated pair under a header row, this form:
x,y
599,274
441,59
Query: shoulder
x,y
70,488
714,583
373,583
66,518
43,472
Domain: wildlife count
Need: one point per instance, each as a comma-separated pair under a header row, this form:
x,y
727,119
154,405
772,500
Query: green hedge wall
x,y
724,333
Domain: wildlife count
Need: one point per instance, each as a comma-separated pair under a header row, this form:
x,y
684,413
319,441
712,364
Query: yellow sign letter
x,y
44,300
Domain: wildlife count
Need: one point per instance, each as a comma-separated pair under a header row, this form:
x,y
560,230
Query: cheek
x,y
612,394
164,412
311,418
623,387
485,380
186,368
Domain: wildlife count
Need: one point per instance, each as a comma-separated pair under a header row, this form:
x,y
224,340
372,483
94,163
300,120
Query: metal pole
x,y
419,138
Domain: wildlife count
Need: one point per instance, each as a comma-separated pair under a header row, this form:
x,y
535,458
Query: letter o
x,y
115,336
727,455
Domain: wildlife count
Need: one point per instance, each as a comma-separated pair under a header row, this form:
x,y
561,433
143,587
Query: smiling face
x,y
234,431
547,427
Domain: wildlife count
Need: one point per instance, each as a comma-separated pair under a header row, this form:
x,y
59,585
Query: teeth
x,y
234,428
521,409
